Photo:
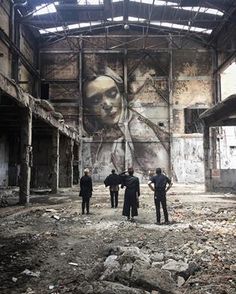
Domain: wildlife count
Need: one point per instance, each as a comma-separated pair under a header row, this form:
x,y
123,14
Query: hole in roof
x,y
45,9
89,2
157,2
202,10
181,27
117,18
69,27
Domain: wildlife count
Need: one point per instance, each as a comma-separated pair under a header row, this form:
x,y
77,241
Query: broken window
x,y
193,124
45,91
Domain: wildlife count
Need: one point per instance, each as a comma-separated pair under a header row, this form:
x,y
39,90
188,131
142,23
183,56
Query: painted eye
x,y
96,99
112,93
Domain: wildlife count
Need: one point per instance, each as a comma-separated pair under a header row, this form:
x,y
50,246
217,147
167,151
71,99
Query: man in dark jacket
x,y
132,192
86,188
113,181
160,182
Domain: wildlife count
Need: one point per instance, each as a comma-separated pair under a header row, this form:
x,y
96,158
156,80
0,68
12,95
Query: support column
x,y
26,155
207,166
170,106
80,80
55,160
128,158
70,161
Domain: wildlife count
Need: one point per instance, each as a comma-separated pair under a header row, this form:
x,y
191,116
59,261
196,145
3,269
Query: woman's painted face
x,y
103,99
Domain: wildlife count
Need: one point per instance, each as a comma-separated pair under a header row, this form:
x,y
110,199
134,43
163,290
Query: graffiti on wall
x,y
124,126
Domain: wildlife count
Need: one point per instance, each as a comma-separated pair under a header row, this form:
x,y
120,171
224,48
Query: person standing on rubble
x,y
113,181
86,189
158,185
132,193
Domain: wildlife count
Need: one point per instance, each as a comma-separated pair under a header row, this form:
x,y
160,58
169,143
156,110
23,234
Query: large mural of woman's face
x,y
122,133
103,100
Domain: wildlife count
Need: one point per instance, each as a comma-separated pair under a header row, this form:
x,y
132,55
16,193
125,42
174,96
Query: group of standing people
x,y
159,184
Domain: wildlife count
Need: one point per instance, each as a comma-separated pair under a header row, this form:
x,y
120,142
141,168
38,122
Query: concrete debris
x,y
73,263
103,253
56,217
31,273
233,267
180,281
45,104
175,266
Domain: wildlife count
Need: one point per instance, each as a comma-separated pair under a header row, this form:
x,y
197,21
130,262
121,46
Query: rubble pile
x,y
51,248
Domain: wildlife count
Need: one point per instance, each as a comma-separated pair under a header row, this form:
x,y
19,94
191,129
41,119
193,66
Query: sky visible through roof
x,y
51,8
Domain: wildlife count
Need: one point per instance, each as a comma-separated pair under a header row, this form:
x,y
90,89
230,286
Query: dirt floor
x,y
49,247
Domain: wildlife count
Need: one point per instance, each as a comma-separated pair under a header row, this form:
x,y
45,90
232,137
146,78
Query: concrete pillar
x,y
26,155
66,162
55,160
207,156
70,161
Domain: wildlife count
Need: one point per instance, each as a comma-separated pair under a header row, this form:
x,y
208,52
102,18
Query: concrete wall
x,y
41,170
225,181
3,161
151,127
5,60
192,88
187,163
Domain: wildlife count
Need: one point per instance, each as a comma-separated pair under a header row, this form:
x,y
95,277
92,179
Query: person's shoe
x,y
157,223
132,220
82,212
166,223
128,219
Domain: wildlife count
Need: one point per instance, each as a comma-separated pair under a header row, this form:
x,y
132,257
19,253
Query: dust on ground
x,y
49,247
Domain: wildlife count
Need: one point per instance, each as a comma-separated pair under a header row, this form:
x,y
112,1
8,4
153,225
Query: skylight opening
x,y
181,27
45,9
69,27
89,2
156,2
202,10
131,18
51,30
117,18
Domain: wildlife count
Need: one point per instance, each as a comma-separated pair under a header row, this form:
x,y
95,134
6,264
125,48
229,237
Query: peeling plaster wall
x,y
187,161
5,60
3,161
192,88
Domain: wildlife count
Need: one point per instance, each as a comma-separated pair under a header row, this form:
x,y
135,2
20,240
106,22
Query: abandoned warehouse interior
x,y
110,84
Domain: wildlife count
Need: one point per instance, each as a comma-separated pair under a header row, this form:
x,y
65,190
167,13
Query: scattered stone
x,y
14,279
158,264
115,288
233,267
132,254
110,260
112,269
180,281
56,217
152,278
30,273
175,266
73,263
157,257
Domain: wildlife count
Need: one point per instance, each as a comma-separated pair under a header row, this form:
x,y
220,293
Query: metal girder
x,y
125,9
12,47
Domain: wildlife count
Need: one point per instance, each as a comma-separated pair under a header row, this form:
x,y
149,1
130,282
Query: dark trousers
x,y
114,196
85,202
161,201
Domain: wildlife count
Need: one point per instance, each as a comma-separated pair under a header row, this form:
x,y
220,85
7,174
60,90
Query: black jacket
x,y
86,187
112,180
